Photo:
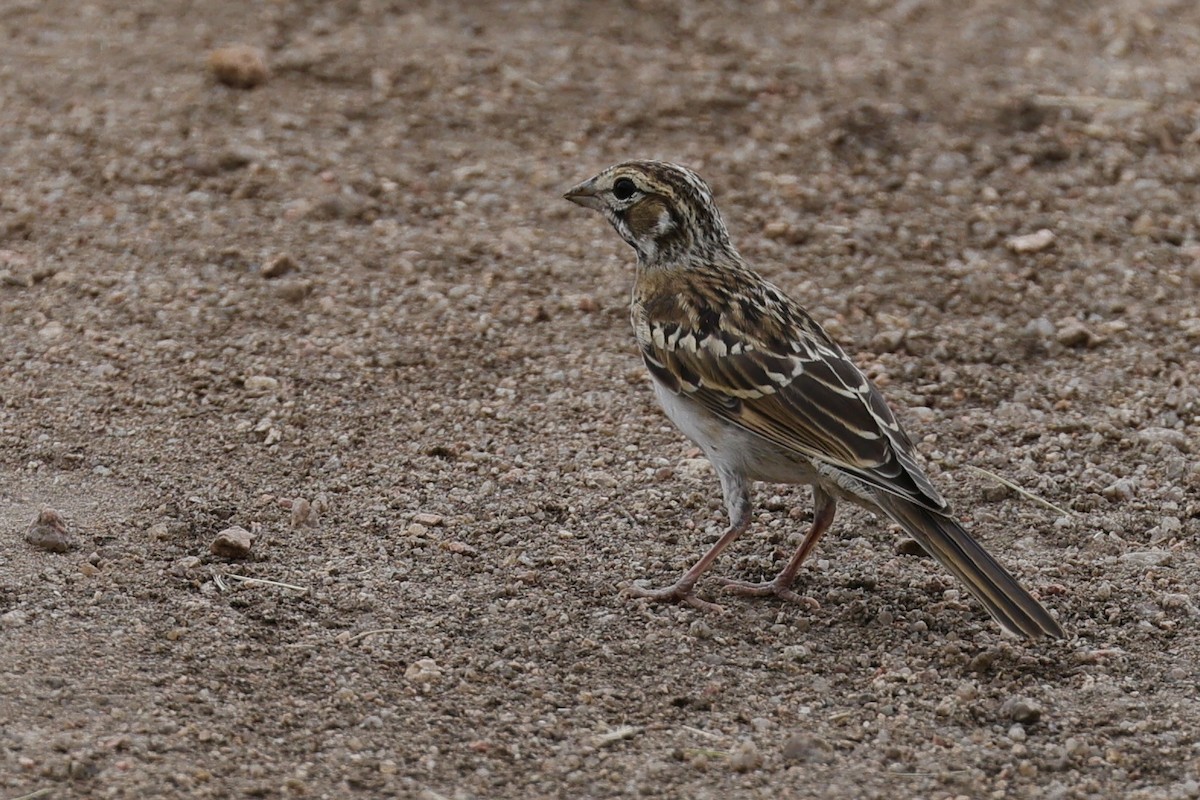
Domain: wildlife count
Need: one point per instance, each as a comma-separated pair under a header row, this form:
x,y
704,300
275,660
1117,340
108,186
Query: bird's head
x,y
664,211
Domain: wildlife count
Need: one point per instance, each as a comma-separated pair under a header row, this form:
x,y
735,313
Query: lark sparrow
x,y
764,391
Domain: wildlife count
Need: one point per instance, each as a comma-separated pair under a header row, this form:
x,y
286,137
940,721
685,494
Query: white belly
x,y
731,448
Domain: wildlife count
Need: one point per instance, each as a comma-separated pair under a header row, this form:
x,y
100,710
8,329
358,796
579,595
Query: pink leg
x,y
737,501
824,508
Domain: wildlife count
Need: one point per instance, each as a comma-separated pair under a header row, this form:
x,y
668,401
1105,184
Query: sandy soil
x,y
357,285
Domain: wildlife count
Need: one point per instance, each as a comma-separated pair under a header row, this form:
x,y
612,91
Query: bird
x,y
760,387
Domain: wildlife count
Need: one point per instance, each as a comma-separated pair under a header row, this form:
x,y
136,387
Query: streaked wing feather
x,y
807,398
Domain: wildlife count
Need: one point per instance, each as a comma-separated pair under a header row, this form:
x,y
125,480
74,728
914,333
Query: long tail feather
x,y
944,539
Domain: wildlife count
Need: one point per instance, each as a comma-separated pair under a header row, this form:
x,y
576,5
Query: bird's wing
x,y
799,392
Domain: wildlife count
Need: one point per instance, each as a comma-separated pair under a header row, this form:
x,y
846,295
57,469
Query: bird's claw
x,y
675,593
772,588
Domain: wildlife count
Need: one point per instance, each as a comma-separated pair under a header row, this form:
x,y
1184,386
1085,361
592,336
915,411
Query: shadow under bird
x,y
762,389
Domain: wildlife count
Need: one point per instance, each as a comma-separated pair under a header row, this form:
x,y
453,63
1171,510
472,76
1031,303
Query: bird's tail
x,y
944,539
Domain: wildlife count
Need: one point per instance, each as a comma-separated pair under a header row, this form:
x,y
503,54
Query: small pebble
x,y
189,563
804,747
1031,242
775,229
293,290
887,341
1073,333
982,662
949,164
1168,436
458,548
237,156
609,738
240,66
13,619
1175,600
51,330
1167,528
910,547
427,519
1123,489
796,652
260,385
424,671
1146,558
1021,709
745,757
303,514
1040,329
234,542
278,266
49,532
995,492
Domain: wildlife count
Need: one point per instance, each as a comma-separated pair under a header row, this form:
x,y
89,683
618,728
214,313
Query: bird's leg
x,y
824,507
737,501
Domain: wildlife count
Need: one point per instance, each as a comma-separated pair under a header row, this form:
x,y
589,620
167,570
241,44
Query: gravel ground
x,y
348,312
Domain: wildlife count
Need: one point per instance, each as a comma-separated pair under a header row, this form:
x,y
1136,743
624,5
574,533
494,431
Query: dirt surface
x,y
348,311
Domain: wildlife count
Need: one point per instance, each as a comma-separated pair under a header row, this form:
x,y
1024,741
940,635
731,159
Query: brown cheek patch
x,y
644,216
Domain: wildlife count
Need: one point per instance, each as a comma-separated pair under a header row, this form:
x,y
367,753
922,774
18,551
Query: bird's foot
x,y
777,588
678,592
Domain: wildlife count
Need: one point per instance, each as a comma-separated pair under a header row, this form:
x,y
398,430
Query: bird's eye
x,y
624,188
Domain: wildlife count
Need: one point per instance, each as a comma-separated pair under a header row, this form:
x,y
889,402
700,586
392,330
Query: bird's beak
x,y
586,195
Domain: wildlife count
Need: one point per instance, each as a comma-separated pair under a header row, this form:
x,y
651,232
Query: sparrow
x,y
748,375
